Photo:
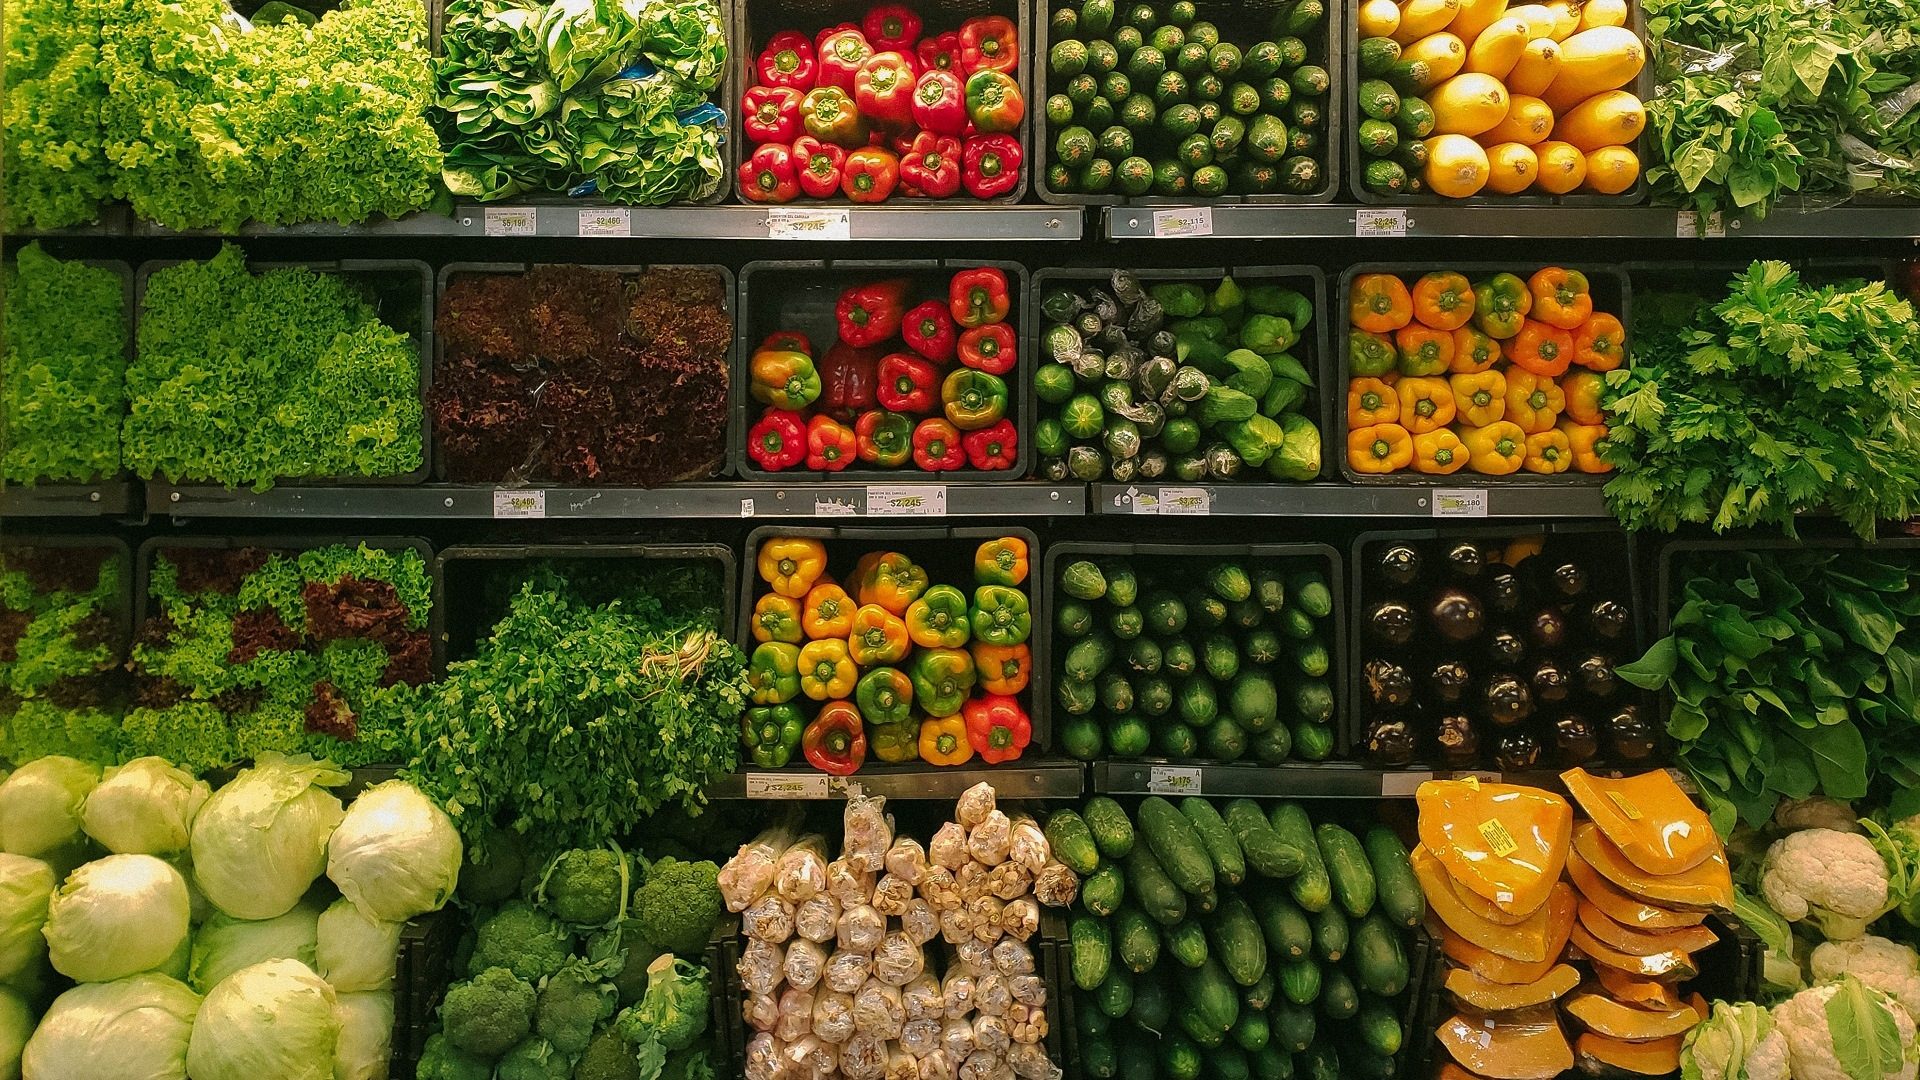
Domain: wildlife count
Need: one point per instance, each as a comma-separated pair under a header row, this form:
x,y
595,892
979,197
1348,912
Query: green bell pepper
x,y
1370,356
1000,615
773,673
885,695
938,620
942,679
772,734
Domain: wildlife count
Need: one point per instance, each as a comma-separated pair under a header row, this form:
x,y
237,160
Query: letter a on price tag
x,y
1183,221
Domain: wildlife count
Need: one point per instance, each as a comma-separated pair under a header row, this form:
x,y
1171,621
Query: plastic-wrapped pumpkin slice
x,y
1666,966
1504,842
1621,908
1633,990
1617,1059
1469,990
1602,1015
1708,885
1561,915
1647,817
1523,1045
1529,941
1643,942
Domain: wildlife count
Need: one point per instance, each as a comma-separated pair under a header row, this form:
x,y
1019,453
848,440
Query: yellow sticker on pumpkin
x,y
1472,782
1499,840
1631,811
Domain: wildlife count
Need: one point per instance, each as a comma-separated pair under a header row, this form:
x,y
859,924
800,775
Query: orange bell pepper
x,y
1583,390
1600,344
943,741
828,612
1585,440
1423,350
889,579
1425,404
877,637
1380,303
1480,398
1443,300
1496,449
777,618
1002,669
791,564
1371,401
1473,351
1561,297
1533,402
1548,452
1541,348
826,670
1438,453
1381,448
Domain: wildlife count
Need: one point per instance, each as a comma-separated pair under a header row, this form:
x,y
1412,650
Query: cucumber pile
x,y
1188,960
1189,660
1145,100
1394,122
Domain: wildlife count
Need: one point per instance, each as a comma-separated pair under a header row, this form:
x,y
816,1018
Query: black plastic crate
x,y
1612,294
421,977
1323,48
1310,281
401,291
128,303
801,295
734,435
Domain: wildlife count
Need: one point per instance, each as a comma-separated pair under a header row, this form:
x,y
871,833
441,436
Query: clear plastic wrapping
x,y
990,1033
920,1037
939,1065
762,966
922,999
801,873
833,1016
1028,990
974,805
1056,885
981,1065
796,1015
975,955
957,990
847,972
986,918
805,963
891,895
768,919
1020,919
1010,880
868,833
991,995
760,1011
939,888
864,1057
764,1057
818,919
956,1038
1012,958
750,872
1026,1023
877,1010
1029,848
971,880
902,1064
899,960
956,925
848,885
1030,1062
920,922
814,1055
991,841
906,859
949,846
861,929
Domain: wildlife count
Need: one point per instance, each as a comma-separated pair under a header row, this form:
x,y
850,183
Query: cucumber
x,y
1197,1027
1311,887
1092,951
1097,1057
1269,1063
1283,923
1176,845
1136,940
1293,1025
1072,842
1152,1004
1222,848
1261,993
1150,887
1361,1063
1181,1058
1093,1023
1211,996
1380,1027
1309,590
1400,895
1300,981
1228,1062
1252,1032
1339,999
1104,890
1265,852
1347,868
1187,944
1379,961
1237,940
1112,830
1331,933
1115,995
1320,1062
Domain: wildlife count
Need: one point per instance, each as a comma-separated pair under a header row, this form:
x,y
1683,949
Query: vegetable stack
x,y
1192,660
887,107
1492,377
919,386
1460,97
887,662
1145,100
1224,940
1174,381
1641,876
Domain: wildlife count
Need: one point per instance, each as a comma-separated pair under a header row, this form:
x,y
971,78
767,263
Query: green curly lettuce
x,y
39,728
63,365
57,171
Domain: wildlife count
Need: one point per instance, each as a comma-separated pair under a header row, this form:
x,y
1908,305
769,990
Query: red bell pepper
x,y
870,174
932,166
940,52
768,176
990,348
907,384
940,103
778,441
830,444
937,447
978,297
818,165
883,88
997,728
993,448
892,28
928,330
994,104
989,42
847,377
836,741
990,165
788,60
829,114
841,54
885,438
786,341
772,114
820,39
870,314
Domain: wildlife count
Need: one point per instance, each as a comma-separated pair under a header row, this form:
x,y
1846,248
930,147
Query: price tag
x,y
746,507
510,221
827,506
1183,221
1173,780
1145,502
1461,502
820,223
913,500
607,221
1185,502
1402,784
1691,225
520,504
784,786
1379,223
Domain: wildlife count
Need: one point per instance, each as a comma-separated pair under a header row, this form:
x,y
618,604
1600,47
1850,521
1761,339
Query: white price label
x,y
785,786
810,224
1185,501
1690,225
1400,784
520,504
1461,502
1183,221
1173,780
616,221
510,221
828,506
746,507
922,500
1379,223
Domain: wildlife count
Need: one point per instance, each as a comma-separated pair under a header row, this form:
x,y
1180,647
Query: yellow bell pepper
x,y
1583,389
1438,453
1534,402
828,612
943,741
791,564
1584,440
1371,401
890,580
1548,452
1380,448
1496,449
877,637
827,672
1001,562
1479,398
1002,669
1426,404
777,618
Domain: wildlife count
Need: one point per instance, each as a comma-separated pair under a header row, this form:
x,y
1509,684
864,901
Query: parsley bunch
x,y
63,365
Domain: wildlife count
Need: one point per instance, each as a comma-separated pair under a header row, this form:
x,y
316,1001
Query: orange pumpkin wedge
x,y
1601,1056
1641,942
1450,1071
1708,885
1524,1045
1666,966
1632,990
1471,991
1602,1015
1503,842
1647,817
1622,908
1490,966
1527,942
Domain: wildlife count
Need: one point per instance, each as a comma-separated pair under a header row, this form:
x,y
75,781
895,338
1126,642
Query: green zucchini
x,y
1211,995
1310,887
1400,895
1176,845
1347,868
1252,1031
1320,1062
1269,1063
1152,1003
1222,848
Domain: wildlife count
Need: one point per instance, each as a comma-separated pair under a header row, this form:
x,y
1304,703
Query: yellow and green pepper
x,y
877,637
1000,615
827,672
939,620
773,673
942,679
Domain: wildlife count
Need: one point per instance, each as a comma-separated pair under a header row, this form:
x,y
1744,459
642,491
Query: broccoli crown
x,y
608,1057
522,939
674,1011
679,904
585,886
488,1013
496,877
691,1064
630,982
571,1003
535,1059
441,1060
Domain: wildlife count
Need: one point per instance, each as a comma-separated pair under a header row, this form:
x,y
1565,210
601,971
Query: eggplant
x,y
1516,751
1547,628
1553,580
1458,740
1457,616
1506,648
1550,682
1399,565
1501,590
1465,559
1630,736
1575,742
1596,676
1448,682
1390,741
1391,622
1609,619
1505,700
1388,684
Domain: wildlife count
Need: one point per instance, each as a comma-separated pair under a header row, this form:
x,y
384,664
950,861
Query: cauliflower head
x,y
1887,966
1846,1030
1736,1042
572,1002
521,938
489,1013
586,886
1837,880
679,904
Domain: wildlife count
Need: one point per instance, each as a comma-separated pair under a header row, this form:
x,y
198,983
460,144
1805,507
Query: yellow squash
x,y
1535,70
1507,842
1498,48
1612,169
1666,966
1418,18
1456,166
1511,168
1562,166
1540,19
1604,1016
1648,818
1528,123
1566,18
1610,118
1443,54
1706,885
1633,990
1643,942
1622,908
1603,13
1379,18
1490,965
1468,105
1475,16
1593,61
1529,942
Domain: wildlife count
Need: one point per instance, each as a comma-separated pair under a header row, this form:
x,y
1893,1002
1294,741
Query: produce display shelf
x,y
803,498
114,498
1346,500
1305,779
1229,221
1038,778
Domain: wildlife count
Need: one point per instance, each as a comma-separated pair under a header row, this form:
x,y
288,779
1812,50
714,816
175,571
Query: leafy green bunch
x,y
241,379
57,172
1783,398
63,368
53,637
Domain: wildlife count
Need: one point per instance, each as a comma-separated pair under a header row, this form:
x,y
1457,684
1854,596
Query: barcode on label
x,y
1183,221
520,504
1498,839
